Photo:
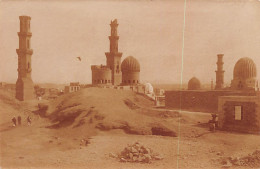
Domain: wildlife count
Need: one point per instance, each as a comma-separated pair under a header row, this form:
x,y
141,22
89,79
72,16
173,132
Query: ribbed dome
x,y
130,64
194,84
245,68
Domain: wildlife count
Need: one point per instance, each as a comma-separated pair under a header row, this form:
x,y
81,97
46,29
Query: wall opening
x,y
238,113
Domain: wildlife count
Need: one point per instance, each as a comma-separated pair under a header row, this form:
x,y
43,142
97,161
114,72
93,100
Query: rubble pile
x,y
138,153
251,160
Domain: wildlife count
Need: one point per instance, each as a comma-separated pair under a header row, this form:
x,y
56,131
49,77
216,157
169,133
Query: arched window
x,y
28,65
129,81
240,85
117,69
133,81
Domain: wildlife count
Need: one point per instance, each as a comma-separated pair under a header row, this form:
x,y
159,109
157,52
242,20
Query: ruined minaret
x,y
24,83
114,57
219,73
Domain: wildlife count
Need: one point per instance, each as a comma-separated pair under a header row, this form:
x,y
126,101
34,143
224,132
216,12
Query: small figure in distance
x,y
14,121
19,119
29,121
213,123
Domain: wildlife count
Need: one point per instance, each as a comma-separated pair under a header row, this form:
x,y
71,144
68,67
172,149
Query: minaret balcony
x,y
113,37
24,33
29,70
113,54
24,51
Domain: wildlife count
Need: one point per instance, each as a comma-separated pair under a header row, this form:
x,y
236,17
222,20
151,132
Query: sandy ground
x,y
39,146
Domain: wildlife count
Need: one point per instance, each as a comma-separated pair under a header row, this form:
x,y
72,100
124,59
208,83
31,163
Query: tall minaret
x,y
220,73
24,83
212,84
114,57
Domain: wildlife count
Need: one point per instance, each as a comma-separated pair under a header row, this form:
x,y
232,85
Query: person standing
x,y
29,121
14,121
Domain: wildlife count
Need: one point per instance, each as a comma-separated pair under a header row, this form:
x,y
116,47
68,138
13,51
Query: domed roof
x,y
245,68
130,64
194,84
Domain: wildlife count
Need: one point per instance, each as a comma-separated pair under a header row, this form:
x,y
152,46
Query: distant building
x,y
194,84
159,92
115,73
73,87
2,84
244,75
243,84
239,113
24,83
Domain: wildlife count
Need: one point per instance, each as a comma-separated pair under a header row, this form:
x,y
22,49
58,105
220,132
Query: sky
x,y
154,32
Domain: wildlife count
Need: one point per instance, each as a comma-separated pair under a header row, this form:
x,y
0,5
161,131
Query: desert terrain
x,y
90,128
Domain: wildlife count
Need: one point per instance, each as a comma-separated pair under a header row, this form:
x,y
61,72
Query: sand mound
x,y
105,109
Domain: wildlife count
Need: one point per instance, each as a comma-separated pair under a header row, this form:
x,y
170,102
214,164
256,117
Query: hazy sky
x,y
151,31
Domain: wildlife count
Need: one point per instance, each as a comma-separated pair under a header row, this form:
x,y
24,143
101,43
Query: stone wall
x,y
250,121
203,101
101,75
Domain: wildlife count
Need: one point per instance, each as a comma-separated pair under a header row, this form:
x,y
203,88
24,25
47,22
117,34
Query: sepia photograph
x,y
129,84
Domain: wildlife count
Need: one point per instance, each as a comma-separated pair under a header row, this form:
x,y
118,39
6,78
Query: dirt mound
x,y
8,97
163,131
137,153
105,109
10,107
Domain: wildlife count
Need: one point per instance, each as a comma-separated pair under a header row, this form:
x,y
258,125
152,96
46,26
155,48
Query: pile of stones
x,y
138,153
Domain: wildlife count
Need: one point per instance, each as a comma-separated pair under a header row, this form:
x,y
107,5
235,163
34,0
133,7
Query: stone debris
x,y
84,142
112,155
219,153
251,160
137,153
57,138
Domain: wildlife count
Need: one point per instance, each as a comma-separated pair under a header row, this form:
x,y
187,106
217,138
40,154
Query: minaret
x,y
114,57
211,84
219,72
24,83
257,87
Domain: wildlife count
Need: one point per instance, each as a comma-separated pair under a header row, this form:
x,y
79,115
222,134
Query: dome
x,y
194,84
245,68
130,64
